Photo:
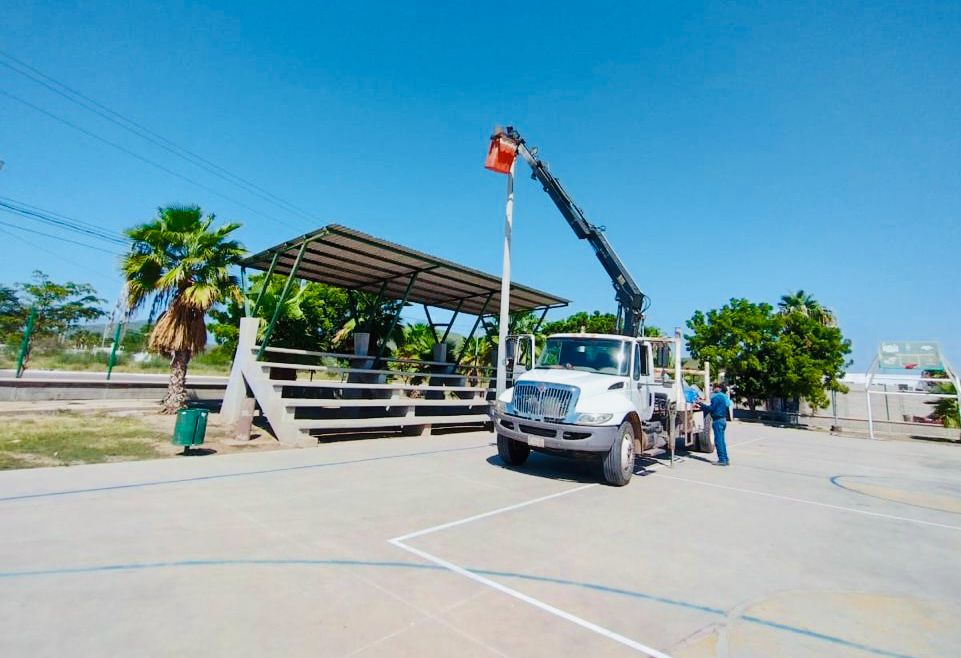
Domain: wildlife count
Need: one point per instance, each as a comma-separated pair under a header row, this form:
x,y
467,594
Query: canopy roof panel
x,y
342,257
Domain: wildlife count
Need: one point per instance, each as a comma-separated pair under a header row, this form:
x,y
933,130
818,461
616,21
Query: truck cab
x,y
591,396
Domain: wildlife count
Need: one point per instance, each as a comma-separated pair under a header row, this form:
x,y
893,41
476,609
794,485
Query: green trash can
x,y
190,428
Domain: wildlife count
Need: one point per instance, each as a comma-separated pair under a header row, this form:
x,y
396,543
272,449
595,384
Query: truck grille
x,y
540,401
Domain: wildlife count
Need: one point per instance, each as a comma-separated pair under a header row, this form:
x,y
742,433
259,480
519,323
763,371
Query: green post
x,y
263,289
480,315
450,325
25,343
283,298
113,349
393,322
243,291
433,328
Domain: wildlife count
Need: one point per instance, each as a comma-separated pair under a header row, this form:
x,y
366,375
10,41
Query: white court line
x,y
500,510
812,502
493,584
744,443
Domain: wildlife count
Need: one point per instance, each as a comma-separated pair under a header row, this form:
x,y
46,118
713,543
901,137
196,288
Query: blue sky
x,y
731,149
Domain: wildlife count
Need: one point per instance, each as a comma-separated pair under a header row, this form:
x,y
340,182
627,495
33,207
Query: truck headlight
x,y
501,406
593,419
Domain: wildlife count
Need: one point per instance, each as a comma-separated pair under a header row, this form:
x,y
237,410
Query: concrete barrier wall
x,y
26,390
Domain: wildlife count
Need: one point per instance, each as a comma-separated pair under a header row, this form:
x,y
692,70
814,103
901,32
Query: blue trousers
x,y
719,425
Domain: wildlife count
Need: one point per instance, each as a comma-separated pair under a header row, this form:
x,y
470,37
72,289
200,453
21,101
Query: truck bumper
x,y
555,436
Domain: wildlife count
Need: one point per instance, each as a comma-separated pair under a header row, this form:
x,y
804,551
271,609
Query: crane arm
x,y
631,301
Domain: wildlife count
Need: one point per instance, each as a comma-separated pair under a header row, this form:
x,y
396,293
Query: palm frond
x,y
180,329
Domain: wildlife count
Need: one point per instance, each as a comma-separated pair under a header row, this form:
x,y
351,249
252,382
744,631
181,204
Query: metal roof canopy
x,y
345,258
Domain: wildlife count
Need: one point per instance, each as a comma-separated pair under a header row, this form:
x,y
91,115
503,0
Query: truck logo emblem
x,y
541,387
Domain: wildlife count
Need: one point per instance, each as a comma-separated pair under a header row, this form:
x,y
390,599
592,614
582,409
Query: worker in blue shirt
x,y
718,411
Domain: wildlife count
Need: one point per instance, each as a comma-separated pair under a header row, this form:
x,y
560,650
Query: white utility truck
x,y
596,395
599,396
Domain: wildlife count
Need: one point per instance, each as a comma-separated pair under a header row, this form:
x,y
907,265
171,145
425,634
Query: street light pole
x,y
505,288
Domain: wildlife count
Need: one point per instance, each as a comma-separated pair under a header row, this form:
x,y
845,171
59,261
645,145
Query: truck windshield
x,y
601,355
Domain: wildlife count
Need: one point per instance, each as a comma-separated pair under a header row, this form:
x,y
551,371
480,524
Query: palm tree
x,y
418,342
372,315
945,409
805,304
184,263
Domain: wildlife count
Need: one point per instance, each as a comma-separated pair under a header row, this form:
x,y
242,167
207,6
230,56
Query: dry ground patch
x,y
68,438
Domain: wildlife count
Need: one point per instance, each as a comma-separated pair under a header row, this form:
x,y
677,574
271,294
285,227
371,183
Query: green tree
x,y
739,338
373,315
309,319
12,314
183,262
418,342
805,304
809,359
84,339
945,409
135,339
592,323
60,306
766,354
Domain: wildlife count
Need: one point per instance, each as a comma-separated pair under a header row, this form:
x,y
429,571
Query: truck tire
x,y
703,442
512,453
619,461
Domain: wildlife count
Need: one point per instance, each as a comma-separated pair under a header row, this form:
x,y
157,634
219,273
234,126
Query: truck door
x,y
640,381
520,356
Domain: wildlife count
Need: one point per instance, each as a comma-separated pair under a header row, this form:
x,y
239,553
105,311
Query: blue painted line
x,y
605,589
138,566
142,566
201,478
835,480
821,636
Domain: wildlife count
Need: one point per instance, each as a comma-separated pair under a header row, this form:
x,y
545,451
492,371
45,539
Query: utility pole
x,y
505,288
500,158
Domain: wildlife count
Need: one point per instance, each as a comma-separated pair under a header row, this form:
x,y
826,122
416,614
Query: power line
x,y
55,237
145,133
85,267
133,154
70,226
49,212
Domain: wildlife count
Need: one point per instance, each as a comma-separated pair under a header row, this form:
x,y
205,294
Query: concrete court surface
x,y
809,545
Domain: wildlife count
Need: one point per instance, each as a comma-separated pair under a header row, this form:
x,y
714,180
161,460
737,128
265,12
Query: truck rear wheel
x,y
619,461
512,453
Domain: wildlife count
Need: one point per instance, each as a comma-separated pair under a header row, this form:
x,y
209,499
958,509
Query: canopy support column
x,y
396,318
463,349
450,325
243,290
263,289
433,327
283,297
540,320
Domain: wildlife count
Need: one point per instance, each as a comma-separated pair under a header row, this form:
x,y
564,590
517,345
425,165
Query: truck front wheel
x,y
619,460
512,453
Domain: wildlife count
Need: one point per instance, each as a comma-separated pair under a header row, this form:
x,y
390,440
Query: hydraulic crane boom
x,y
631,302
